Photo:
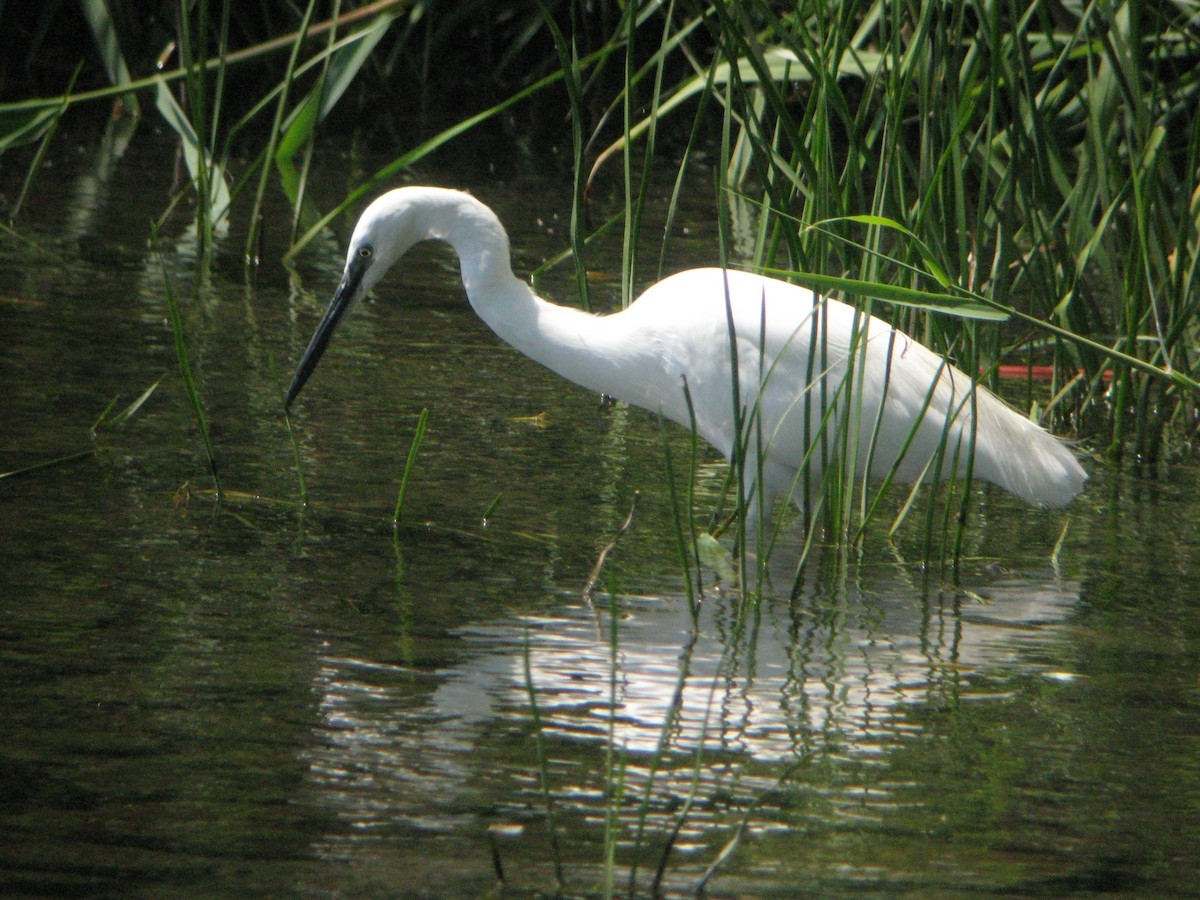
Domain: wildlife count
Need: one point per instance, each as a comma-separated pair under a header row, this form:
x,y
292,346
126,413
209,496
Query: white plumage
x,y
813,374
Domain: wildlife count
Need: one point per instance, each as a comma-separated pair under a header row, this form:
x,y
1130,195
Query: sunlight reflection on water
x,y
767,695
798,682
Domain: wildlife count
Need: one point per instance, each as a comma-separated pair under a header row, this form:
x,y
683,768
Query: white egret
x,y
811,372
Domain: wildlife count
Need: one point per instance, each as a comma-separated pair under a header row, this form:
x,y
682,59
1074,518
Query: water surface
x,y
248,697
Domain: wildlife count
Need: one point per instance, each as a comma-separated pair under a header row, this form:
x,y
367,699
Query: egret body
x,y
810,372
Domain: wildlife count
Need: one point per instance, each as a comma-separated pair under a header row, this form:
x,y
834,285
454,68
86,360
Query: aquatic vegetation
x,y
1016,186
1034,176
1006,185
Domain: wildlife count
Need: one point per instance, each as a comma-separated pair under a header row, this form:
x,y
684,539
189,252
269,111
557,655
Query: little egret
x,y
814,377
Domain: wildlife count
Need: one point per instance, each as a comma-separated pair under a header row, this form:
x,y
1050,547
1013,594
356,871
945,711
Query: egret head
x,y
386,231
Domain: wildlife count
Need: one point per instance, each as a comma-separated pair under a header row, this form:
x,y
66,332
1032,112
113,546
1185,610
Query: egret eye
x,y
365,252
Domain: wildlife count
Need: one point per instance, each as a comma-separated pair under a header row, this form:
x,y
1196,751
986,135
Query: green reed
x,y
543,766
106,420
568,55
409,463
189,379
274,134
1041,165
293,440
614,756
1000,138
48,127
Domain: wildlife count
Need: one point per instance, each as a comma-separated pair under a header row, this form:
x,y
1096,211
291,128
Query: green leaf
x,y
125,414
24,126
344,65
105,32
931,264
949,304
781,65
194,153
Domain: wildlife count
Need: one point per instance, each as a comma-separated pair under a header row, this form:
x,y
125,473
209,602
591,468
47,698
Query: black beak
x,y
343,297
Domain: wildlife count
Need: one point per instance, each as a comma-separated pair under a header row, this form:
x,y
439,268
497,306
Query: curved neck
x,y
481,243
579,346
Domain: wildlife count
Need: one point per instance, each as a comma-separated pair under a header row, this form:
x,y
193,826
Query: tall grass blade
x,y
666,733
777,63
104,32
342,65
568,55
51,126
27,113
208,177
413,449
297,460
415,155
682,523
614,765
48,464
107,421
590,587
275,133
104,420
24,126
543,766
192,48
185,369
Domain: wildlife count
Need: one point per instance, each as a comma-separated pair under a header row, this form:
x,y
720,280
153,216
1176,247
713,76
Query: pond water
x,y
249,697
